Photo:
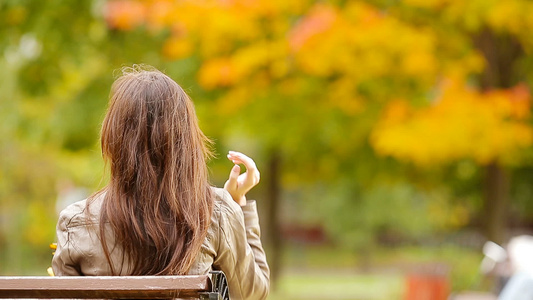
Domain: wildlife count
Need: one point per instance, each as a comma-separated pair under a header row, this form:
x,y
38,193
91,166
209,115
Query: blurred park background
x,y
393,137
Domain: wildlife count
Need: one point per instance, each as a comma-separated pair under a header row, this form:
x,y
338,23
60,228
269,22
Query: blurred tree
x,y
43,47
444,72
491,119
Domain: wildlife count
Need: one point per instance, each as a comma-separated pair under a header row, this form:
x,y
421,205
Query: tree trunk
x,y
274,230
501,53
496,204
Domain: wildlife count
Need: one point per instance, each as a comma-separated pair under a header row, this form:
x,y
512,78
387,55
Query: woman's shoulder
x,y
80,214
223,203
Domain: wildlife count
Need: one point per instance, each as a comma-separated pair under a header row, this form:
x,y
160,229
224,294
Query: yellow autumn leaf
x,y
176,48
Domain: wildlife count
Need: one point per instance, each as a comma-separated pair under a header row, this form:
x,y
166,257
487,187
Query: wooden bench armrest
x,y
109,287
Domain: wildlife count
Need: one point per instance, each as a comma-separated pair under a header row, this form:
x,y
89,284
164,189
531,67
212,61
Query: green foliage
x,y
52,78
388,213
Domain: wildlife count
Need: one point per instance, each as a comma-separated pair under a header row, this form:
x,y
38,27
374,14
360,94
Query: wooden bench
x,y
211,287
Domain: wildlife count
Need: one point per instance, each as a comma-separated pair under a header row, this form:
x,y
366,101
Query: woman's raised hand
x,y
239,184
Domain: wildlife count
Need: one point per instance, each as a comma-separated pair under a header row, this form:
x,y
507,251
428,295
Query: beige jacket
x,y
232,245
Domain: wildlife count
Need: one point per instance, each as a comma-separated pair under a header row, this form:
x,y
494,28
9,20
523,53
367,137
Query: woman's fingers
x,y
234,176
232,185
252,174
245,160
239,184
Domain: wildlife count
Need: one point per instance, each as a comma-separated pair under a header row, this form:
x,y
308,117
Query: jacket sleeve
x,y
64,262
241,255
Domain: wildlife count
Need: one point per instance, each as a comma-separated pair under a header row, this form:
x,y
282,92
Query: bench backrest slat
x,y
110,287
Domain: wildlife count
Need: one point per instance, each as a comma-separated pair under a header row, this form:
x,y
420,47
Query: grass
x,y
319,285
325,272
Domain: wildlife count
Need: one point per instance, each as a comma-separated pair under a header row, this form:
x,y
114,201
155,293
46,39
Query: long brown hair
x,y
158,201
